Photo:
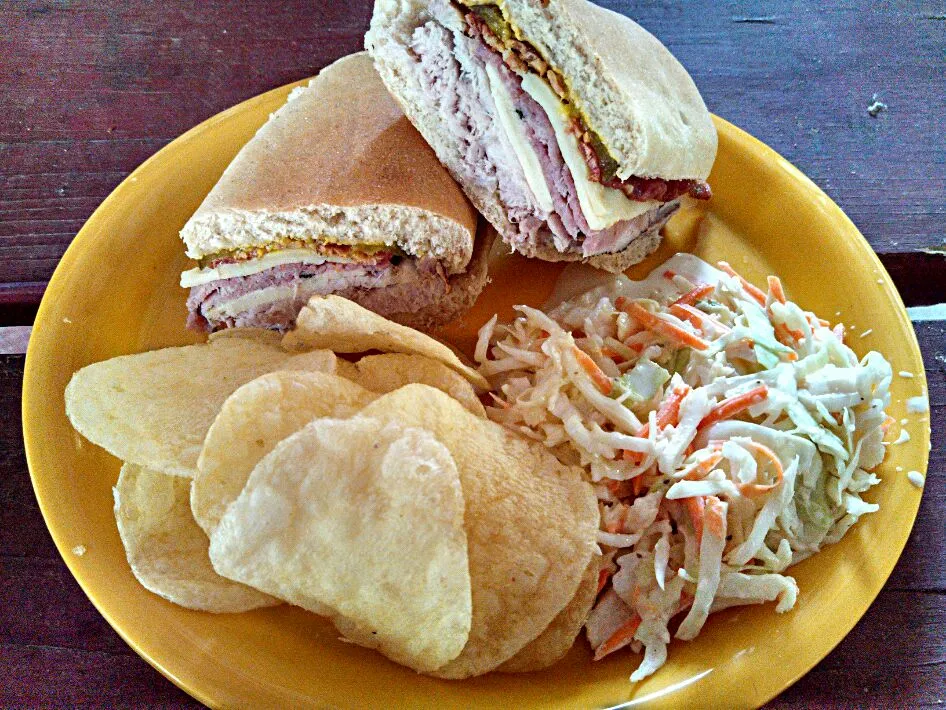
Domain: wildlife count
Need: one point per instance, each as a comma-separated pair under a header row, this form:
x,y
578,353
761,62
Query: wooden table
x,y
88,90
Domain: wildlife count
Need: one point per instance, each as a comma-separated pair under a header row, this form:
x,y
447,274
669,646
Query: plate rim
x,y
31,386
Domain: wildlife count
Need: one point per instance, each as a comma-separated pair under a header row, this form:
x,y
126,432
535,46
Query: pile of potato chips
x,y
261,469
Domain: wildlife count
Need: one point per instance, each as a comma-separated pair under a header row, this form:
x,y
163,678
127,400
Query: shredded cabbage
x,y
728,435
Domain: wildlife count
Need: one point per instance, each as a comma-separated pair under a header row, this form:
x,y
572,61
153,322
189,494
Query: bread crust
x,y
465,288
648,112
338,161
682,156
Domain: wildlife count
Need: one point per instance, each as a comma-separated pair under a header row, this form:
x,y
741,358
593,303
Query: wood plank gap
x,y
22,293
920,277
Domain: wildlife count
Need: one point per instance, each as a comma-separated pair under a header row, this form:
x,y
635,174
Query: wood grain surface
x,y
88,90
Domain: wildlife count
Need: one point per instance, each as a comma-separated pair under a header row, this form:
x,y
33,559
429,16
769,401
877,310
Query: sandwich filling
x,y
518,134
489,22
267,286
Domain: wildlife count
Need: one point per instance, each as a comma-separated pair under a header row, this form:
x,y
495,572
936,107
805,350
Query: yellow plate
x,y
116,292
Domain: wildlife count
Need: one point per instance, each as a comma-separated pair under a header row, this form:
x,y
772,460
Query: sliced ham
x,y
521,57
383,287
462,98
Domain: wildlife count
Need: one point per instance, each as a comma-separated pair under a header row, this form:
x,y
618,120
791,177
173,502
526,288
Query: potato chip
x,y
313,361
346,369
153,409
391,371
557,639
165,548
366,519
252,421
531,524
264,335
345,327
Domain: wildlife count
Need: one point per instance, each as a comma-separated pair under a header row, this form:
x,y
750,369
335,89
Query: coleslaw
x,y
728,434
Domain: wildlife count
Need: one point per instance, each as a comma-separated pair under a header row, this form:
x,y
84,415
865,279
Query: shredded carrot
x,y
714,517
609,353
701,468
601,380
503,404
659,325
789,338
684,314
619,489
691,297
669,413
786,335
604,574
751,289
634,456
622,521
618,525
823,323
637,484
696,316
783,334
754,489
619,639
694,506
733,405
888,422
775,288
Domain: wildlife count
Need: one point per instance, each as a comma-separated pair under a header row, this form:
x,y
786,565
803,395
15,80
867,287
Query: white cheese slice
x,y
512,125
196,277
249,301
602,206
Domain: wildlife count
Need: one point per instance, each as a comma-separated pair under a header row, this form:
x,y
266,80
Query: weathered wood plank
x,y
894,658
51,660
54,677
920,277
22,530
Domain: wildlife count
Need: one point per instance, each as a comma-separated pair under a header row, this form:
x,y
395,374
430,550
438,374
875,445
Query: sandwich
x,y
336,193
572,129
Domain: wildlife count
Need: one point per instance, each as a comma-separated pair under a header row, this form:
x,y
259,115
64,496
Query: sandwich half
x,y
336,193
571,128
